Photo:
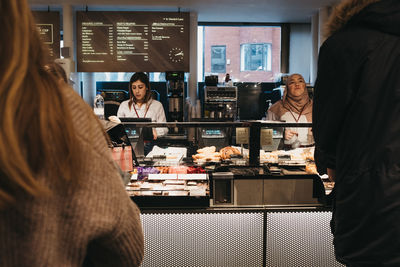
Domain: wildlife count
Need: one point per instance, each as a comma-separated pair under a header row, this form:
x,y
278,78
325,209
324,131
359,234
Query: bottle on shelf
x,y
98,106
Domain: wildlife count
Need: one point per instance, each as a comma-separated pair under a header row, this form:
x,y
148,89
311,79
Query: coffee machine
x,y
175,91
220,102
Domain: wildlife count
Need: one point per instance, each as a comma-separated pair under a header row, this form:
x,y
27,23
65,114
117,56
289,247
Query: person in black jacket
x,y
356,126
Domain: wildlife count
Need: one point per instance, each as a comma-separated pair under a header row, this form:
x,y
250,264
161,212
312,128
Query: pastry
x,y
226,152
207,149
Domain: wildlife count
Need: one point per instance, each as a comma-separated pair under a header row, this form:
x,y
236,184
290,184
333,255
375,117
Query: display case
x,y
175,187
226,164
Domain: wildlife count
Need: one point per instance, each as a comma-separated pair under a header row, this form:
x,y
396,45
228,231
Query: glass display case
x,y
225,164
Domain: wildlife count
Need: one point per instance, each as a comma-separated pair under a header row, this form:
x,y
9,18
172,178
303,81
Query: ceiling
x,y
247,11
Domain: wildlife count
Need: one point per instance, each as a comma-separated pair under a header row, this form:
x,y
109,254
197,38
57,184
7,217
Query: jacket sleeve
x,y
117,238
104,221
124,246
331,96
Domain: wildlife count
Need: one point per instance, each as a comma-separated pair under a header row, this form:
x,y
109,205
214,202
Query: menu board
x,y
132,41
48,25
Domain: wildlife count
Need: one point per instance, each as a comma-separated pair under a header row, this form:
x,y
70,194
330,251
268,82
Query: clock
x,y
176,55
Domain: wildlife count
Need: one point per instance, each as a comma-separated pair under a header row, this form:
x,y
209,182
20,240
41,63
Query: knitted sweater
x,y
94,222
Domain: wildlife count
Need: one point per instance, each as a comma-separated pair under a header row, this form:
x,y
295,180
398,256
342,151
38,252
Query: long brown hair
x,y
58,71
139,76
36,128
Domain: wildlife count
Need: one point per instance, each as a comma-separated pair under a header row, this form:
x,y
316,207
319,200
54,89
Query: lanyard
x,y
297,120
147,109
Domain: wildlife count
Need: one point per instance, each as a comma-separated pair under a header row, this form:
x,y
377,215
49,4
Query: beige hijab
x,y
298,105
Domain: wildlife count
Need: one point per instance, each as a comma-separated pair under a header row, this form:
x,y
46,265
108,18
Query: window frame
x,y
224,59
266,58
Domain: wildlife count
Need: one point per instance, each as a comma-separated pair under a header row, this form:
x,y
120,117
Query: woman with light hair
x,y
356,129
58,71
62,201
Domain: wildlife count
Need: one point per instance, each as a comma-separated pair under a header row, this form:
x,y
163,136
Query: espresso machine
x,y
220,102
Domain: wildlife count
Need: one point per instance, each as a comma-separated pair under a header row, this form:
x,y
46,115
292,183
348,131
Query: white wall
x,y
300,50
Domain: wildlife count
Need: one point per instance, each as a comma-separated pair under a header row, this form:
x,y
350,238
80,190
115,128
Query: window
x,y
255,57
218,58
220,52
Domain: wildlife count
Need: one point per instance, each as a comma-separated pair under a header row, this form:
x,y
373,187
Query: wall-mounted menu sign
x,y
132,41
48,25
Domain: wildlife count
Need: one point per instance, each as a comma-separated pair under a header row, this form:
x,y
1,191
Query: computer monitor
x,y
134,131
137,134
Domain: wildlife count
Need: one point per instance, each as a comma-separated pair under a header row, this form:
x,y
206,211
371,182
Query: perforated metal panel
x,y
299,239
203,239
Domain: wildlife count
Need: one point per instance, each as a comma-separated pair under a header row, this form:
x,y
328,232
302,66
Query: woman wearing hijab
x,y
295,106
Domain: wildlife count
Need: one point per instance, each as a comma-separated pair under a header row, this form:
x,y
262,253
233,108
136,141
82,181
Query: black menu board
x,y
48,25
132,41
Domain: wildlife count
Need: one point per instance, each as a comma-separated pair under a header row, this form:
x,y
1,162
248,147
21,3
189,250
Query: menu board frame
x,y
131,41
48,24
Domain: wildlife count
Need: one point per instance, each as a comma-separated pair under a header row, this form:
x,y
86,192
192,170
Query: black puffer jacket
x,y
356,126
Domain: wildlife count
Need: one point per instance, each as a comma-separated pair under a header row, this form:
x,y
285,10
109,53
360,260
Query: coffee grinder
x,y
176,91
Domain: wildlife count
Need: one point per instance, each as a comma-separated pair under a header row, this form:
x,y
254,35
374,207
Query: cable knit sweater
x,y
94,223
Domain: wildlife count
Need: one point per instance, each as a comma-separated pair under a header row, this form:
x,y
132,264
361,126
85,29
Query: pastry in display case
x,y
209,154
301,159
295,161
166,186
190,182
252,170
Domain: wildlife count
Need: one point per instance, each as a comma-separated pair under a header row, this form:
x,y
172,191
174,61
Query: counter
x,y
238,237
255,209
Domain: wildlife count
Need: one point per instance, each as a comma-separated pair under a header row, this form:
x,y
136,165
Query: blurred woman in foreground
x,y
62,201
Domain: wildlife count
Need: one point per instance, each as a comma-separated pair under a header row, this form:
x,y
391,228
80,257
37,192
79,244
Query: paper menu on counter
x,y
197,192
162,176
242,135
266,137
193,176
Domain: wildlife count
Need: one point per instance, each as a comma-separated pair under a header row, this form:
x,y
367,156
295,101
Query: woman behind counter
x,y
141,104
295,106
